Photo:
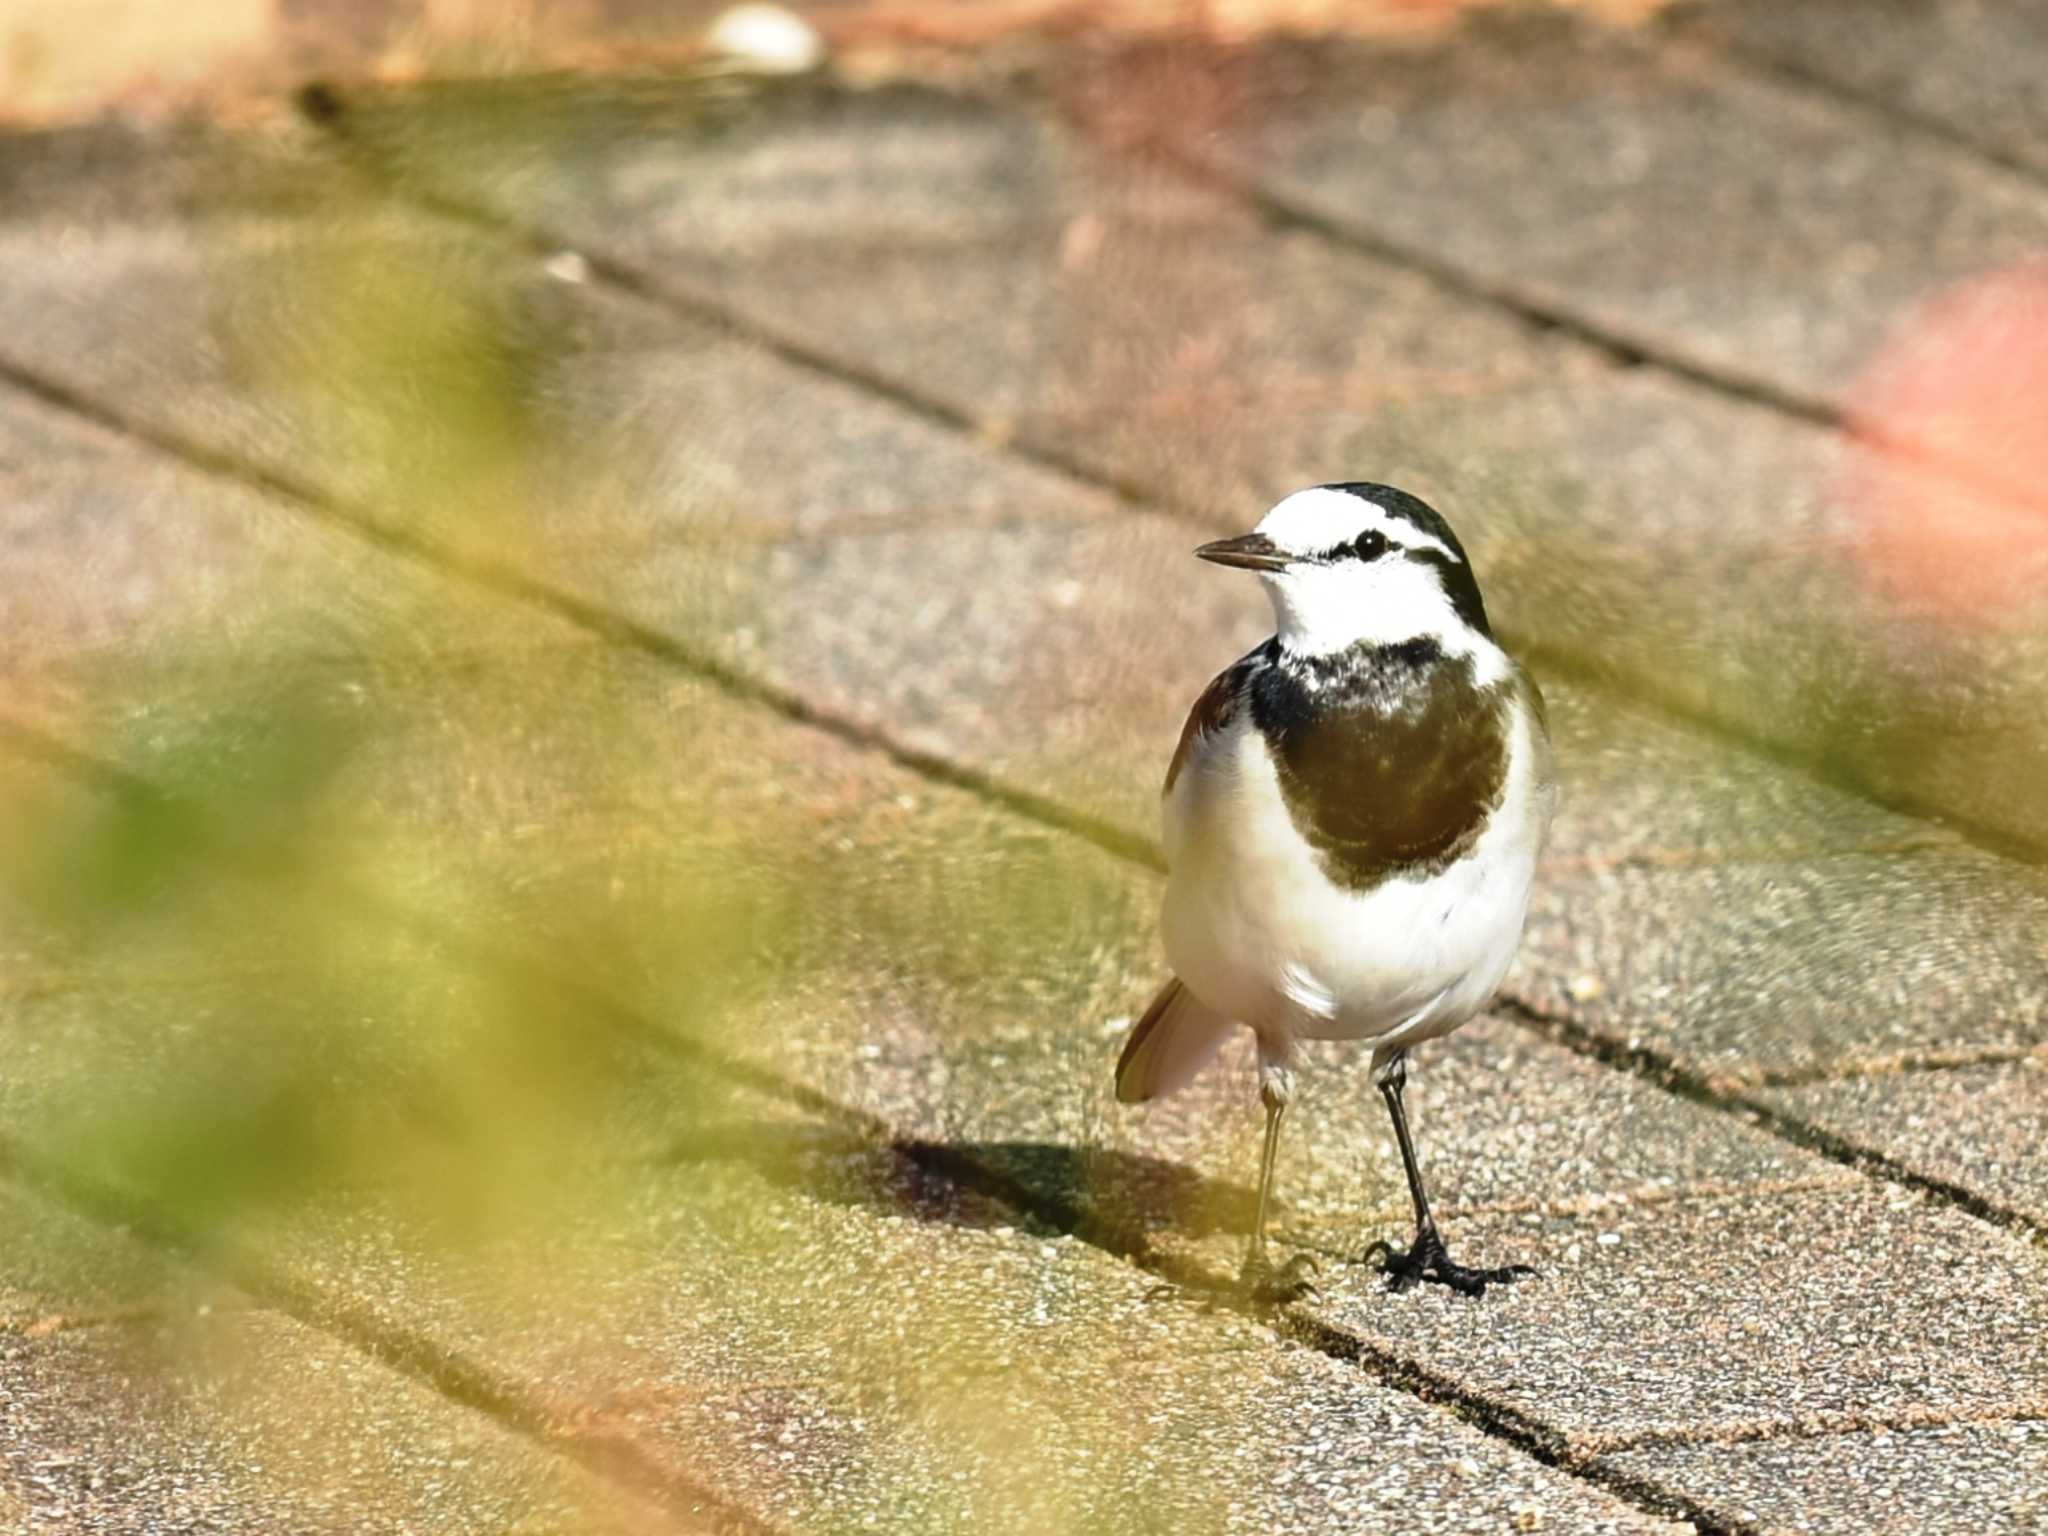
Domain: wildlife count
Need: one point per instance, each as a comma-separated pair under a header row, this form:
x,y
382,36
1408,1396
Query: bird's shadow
x,y
1112,1199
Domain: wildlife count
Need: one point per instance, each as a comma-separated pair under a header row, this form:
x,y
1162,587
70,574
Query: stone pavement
x,y
588,664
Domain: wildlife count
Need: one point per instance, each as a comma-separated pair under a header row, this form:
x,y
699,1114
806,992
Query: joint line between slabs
x,y
1493,1418
446,1371
1843,1426
1906,1063
1540,314
1797,78
1687,1083
1591,673
602,623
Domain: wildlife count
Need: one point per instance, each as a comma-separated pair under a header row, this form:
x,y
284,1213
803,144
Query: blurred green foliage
x,y
446,933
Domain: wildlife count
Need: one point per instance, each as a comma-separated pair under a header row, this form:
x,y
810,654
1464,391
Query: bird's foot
x,y
1264,1286
1426,1260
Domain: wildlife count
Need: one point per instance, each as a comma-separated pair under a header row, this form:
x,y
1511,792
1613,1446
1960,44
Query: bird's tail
x,y
1169,1045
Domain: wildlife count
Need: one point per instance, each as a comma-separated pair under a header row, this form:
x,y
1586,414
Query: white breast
x,y
1257,931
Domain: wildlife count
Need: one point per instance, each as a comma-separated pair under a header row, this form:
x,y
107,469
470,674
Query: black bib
x,y
1391,758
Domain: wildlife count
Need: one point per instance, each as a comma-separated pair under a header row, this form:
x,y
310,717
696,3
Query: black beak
x,y
1248,552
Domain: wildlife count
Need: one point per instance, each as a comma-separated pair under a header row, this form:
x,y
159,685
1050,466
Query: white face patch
x,y
1321,608
1318,519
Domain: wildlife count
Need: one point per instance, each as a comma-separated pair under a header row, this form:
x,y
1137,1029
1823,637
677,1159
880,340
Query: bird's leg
x,y
1426,1259
1261,1282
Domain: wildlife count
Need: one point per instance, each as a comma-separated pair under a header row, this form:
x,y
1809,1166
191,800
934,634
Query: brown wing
x,y
1212,711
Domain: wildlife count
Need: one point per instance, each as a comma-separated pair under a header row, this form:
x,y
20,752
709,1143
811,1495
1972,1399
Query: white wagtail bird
x,y
1353,816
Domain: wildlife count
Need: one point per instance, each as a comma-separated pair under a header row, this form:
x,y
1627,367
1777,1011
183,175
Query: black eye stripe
x,y
1369,545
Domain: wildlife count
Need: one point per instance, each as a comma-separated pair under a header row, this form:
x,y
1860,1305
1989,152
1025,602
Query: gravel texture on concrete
x,y
1587,164
1718,1316
137,583
228,1418
1982,1128
62,1271
843,1339
1845,961
266,343
137,1394
1988,87
1951,1478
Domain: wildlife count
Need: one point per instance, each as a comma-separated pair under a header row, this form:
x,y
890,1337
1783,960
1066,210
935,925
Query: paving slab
x,y
1584,163
1960,1478
304,341
1980,1127
1988,86
142,1395
244,1418
1045,287
1836,963
407,946
1712,1318
144,168
62,1271
133,577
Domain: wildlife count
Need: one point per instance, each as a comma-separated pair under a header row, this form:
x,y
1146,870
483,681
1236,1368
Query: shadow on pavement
x,y
1111,1199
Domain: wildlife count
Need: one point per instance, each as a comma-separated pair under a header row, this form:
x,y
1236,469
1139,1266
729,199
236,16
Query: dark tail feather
x,y
1169,1045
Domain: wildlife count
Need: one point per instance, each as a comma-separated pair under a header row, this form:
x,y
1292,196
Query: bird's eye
x,y
1369,545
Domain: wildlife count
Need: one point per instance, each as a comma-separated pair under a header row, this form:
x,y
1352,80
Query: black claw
x,y
1264,1286
1426,1260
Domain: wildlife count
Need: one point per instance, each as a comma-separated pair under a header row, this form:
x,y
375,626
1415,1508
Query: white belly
x,y
1258,932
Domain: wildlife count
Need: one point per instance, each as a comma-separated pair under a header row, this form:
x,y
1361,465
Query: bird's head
x,y
1359,563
